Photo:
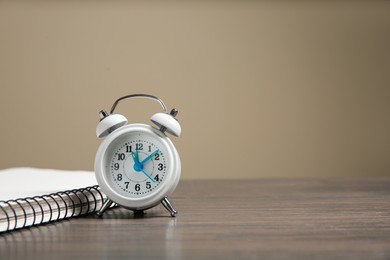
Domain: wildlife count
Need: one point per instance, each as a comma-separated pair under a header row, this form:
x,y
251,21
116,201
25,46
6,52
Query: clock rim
x,y
167,186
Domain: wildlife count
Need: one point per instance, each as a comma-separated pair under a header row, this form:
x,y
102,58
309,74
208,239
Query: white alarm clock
x,y
136,165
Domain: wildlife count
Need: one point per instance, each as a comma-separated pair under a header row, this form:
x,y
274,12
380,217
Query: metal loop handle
x,y
139,96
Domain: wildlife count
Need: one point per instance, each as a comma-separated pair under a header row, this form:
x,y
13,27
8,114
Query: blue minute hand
x,y
150,156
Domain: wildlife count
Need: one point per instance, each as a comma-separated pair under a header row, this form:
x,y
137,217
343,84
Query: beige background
x,y
263,89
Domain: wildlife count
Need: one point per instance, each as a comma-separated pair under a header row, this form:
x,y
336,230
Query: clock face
x,y
136,164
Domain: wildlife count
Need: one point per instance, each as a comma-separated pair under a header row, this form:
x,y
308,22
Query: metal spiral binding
x,y
31,211
94,198
5,214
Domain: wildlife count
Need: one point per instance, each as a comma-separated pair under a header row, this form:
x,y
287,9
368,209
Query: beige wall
x,y
263,90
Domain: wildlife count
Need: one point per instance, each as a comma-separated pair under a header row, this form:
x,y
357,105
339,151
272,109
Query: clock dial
x,y
137,164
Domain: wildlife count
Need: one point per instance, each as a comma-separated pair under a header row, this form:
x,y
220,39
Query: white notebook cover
x,y
25,182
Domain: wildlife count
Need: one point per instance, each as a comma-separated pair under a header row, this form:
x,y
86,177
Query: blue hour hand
x,y
135,156
137,165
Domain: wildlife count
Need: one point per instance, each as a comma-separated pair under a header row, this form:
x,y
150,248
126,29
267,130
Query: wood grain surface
x,y
242,219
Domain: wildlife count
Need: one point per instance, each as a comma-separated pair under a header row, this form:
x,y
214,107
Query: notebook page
x,y
25,182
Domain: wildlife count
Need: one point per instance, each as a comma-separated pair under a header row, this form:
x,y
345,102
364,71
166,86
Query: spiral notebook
x,y
30,196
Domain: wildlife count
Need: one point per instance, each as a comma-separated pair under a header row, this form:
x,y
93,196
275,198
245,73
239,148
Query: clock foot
x,y
167,204
105,206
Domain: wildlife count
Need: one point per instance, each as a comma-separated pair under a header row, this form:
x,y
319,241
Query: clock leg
x,y
167,204
105,206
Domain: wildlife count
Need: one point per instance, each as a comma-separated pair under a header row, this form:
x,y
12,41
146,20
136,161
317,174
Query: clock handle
x,y
167,204
165,121
139,96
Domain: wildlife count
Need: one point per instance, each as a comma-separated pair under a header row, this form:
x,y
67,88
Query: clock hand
x,y
150,156
136,156
147,175
137,165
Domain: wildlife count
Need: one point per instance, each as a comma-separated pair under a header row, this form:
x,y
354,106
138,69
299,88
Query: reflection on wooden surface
x,y
94,237
272,219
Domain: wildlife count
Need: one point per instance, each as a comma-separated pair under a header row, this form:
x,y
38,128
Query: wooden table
x,y
244,219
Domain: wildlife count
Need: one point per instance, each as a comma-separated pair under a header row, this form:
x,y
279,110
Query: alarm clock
x,y
136,165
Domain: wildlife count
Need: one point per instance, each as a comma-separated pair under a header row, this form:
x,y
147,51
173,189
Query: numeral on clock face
x,y
138,165
139,146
